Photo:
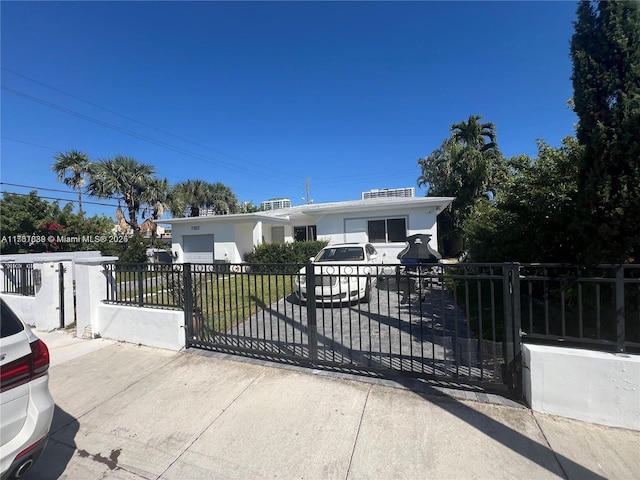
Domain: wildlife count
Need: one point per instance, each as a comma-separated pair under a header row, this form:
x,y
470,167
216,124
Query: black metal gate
x,y
448,321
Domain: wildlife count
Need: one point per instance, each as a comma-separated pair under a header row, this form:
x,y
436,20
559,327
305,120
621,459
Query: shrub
x,y
291,252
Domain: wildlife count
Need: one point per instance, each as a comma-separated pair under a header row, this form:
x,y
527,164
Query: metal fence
x,y
18,278
145,285
443,321
463,321
590,306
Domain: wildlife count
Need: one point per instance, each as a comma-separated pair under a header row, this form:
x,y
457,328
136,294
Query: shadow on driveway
x,y
59,450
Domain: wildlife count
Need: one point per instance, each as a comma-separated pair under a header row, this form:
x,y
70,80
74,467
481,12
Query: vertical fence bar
x,y
507,344
140,286
188,302
312,336
23,279
620,333
61,293
517,330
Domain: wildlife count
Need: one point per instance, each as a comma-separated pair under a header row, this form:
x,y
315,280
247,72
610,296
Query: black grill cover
x,y
418,251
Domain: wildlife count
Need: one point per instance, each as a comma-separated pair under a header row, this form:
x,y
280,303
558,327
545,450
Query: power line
x,y
129,132
38,188
32,144
124,116
61,199
180,150
329,183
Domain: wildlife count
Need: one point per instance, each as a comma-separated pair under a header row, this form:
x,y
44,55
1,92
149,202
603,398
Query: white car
x,y
26,406
345,272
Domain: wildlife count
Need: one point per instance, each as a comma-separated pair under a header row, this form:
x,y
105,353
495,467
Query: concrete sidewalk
x,y
131,412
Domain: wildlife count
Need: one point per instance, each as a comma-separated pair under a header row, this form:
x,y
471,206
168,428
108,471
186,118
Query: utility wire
x,y
61,199
257,165
139,136
32,144
160,143
43,188
126,116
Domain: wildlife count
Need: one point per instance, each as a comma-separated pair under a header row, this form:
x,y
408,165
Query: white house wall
x,y
236,235
339,228
223,237
244,241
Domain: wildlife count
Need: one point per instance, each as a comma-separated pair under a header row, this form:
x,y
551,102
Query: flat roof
x,y
323,208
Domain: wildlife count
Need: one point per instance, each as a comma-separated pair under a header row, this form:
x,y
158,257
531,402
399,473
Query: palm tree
x,y
224,200
124,179
467,166
190,196
156,196
71,168
472,133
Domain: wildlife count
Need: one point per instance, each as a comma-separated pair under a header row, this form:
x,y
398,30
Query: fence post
x,y
312,326
507,345
61,292
188,303
140,285
512,348
23,290
517,330
620,333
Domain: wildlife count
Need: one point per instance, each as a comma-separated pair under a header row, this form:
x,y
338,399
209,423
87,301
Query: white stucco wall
x,y
92,281
330,221
224,242
47,313
586,385
23,306
244,240
147,326
339,228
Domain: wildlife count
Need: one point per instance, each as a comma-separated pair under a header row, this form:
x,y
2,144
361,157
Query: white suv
x,y
344,272
26,406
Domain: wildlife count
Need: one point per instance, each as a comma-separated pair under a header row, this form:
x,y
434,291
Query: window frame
x,y
310,233
392,237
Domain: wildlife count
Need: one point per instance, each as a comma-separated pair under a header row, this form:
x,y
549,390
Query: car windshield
x,y
341,254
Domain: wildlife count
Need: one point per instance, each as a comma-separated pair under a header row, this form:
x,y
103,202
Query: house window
x,y
387,231
305,234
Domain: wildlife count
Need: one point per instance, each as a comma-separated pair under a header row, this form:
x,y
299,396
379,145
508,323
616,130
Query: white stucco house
x,y
385,222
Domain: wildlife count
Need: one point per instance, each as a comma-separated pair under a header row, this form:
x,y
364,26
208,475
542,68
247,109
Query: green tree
x,y
35,218
472,133
605,51
223,199
468,166
530,220
189,196
248,207
72,168
156,197
124,179
193,195
23,215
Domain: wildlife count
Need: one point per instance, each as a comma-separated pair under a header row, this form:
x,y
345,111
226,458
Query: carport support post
x,y
312,326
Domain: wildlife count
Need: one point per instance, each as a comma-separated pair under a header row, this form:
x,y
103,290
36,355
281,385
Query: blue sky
x,y
262,95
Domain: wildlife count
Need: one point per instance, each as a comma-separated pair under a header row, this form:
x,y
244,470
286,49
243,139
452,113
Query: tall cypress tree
x,y
605,50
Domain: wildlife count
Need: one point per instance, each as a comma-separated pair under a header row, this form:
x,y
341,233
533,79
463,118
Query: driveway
x,y
398,330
